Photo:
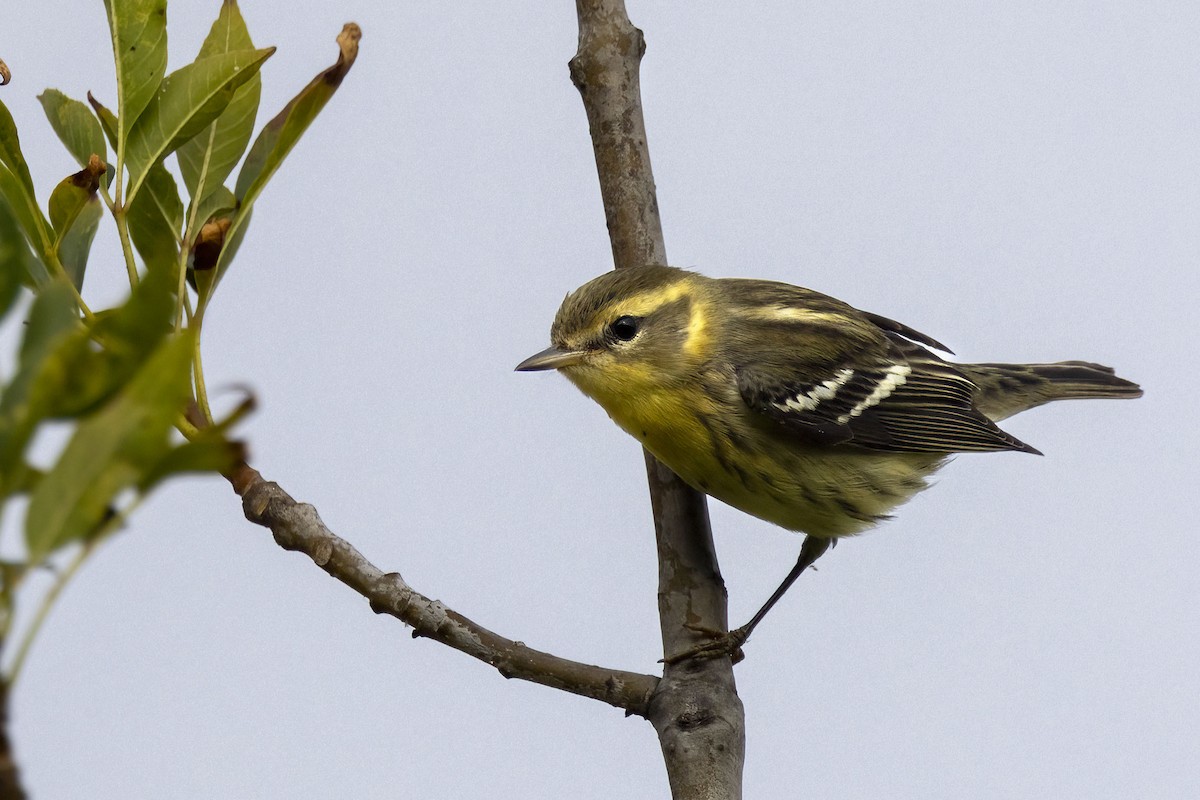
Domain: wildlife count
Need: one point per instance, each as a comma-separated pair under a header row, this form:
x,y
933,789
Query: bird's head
x,y
628,332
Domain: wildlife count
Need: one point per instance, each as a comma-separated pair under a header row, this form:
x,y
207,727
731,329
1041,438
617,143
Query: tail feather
x,y
1006,389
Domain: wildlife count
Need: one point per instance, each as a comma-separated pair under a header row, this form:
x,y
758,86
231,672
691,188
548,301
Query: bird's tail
x,y
1006,389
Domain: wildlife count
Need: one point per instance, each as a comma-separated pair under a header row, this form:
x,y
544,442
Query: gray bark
x,y
695,708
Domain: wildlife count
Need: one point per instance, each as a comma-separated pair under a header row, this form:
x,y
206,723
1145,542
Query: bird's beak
x,y
551,358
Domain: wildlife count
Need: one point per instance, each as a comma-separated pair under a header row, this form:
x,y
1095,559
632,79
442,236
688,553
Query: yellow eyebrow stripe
x,y
697,330
646,303
643,304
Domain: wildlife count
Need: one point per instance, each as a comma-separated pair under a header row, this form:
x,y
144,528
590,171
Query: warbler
x,y
786,403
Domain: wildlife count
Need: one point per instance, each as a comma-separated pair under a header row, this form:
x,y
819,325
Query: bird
x,y
788,404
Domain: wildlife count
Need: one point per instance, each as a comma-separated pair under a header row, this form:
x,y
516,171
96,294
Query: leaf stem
x,y
64,577
43,611
189,236
198,371
122,220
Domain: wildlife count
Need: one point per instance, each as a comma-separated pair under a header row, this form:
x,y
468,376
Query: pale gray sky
x,y
1019,180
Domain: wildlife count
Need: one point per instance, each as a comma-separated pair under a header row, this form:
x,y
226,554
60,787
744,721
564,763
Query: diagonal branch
x,y
296,526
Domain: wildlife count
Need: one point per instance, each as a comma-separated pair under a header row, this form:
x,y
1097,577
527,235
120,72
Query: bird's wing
x,y
895,396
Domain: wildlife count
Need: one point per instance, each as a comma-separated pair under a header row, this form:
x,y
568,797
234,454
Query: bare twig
x,y
694,707
696,710
296,526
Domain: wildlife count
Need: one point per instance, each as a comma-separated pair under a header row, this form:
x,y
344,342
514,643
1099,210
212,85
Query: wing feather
x,y
903,398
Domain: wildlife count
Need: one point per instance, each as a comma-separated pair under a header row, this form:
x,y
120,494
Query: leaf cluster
x,y
127,381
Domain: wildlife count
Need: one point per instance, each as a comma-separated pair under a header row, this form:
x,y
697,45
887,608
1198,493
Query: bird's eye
x,y
625,328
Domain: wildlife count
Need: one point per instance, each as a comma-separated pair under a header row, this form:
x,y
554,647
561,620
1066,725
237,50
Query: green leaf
x,y
139,37
14,257
235,236
134,330
10,285
16,184
76,244
208,158
190,99
75,125
280,135
27,220
10,151
52,319
75,213
112,450
77,377
17,265
108,120
156,220
278,138
52,314
69,198
62,371
25,479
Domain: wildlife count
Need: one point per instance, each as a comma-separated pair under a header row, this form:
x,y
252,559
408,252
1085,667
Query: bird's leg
x,y
730,644
812,549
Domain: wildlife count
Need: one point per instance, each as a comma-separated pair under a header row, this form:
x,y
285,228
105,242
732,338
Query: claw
x,y
730,644
722,644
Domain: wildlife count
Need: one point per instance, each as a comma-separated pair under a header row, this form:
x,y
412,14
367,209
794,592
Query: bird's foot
x,y
722,644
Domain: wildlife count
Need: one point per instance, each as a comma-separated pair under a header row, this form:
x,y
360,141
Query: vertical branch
x,y
10,781
605,70
695,710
